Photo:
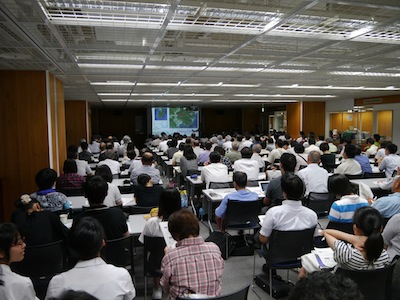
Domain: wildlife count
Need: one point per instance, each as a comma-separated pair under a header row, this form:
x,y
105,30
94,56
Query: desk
x,y
216,195
167,167
77,202
372,183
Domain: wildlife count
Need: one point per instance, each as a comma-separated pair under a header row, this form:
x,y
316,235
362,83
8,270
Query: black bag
x,y
280,288
219,239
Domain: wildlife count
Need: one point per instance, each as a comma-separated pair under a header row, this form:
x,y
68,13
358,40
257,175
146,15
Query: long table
x,y
213,196
373,184
77,202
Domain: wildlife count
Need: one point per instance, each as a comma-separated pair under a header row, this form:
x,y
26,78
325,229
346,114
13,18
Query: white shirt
x,y
312,148
113,195
275,154
248,166
349,166
112,164
151,228
95,277
257,157
215,172
301,160
291,215
176,158
197,150
227,145
371,150
380,153
16,287
163,146
245,143
135,164
390,163
314,178
83,167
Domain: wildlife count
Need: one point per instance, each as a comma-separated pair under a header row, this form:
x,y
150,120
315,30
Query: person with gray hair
x,y
234,154
228,143
332,146
314,177
110,162
257,157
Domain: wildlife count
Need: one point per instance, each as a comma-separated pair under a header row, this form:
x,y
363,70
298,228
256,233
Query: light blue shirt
x,y
241,195
388,205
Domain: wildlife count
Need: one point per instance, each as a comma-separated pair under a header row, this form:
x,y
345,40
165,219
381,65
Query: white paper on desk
x,y
365,191
325,256
169,240
128,200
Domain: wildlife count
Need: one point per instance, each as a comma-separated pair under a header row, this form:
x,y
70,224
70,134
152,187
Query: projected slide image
x,y
181,118
174,119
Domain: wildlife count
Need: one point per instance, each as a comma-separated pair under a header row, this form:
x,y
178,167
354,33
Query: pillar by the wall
x,y
33,132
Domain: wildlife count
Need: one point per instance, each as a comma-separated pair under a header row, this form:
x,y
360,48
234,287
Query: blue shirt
x,y
242,195
364,163
388,205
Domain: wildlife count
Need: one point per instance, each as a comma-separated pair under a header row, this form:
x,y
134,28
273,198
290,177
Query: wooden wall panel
x,y
314,117
23,124
61,138
336,121
220,119
385,123
293,111
75,121
367,119
251,119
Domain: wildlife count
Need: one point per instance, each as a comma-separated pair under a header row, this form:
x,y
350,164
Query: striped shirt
x,y
194,266
343,210
348,257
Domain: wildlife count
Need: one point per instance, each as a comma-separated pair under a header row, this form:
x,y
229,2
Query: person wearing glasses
x,y
12,249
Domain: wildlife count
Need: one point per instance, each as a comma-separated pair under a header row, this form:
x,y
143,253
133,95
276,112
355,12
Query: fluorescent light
x,y
198,84
109,66
175,95
331,87
272,24
372,74
123,83
283,96
294,71
113,94
114,100
164,100
360,31
254,101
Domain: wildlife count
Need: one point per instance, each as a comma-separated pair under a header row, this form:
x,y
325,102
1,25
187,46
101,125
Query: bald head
x,y
147,158
314,157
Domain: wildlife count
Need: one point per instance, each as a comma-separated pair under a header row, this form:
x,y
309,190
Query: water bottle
x,y
201,213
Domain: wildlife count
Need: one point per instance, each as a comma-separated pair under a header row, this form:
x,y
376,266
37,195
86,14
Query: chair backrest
x,y
242,213
42,260
238,295
289,246
375,175
320,202
153,254
136,210
345,227
373,284
220,185
72,192
119,252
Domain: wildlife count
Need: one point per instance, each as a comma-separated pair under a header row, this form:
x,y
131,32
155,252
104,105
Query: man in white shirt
x,y
228,143
314,177
110,162
312,146
391,161
196,148
371,148
349,166
247,165
257,157
215,171
276,153
82,165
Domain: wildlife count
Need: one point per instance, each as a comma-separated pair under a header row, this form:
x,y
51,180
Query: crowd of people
x,y
307,164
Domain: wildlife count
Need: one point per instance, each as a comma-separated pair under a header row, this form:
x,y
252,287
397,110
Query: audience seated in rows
x,y
47,196
188,161
276,153
247,165
113,197
91,274
82,165
342,210
169,202
234,154
85,154
363,161
204,157
176,158
390,162
12,249
241,194
194,266
301,157
110,162
36,225
146,193
389,205
112,219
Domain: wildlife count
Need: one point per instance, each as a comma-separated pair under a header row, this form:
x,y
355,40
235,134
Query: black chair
x,y
345,227
320,202
373,284
285,250
220,185
358,176
120,253
153,253
238,295
41,263
375,175
241,215
135,210
71,192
